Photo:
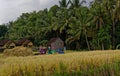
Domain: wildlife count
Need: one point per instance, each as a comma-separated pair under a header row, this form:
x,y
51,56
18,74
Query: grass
x,y
91,63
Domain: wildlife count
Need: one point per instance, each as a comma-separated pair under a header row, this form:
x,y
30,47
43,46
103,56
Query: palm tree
x,y
64,3
100,20
59,23
76,3
79,25
112,8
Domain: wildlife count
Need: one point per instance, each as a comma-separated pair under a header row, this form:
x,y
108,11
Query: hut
x,y
25,43
11,44
7,44
55,44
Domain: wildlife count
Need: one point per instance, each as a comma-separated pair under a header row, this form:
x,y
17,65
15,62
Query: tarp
x,y
60,51
42,51
51,51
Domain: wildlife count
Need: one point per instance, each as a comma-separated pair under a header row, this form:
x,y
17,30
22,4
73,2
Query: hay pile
x,y
18,51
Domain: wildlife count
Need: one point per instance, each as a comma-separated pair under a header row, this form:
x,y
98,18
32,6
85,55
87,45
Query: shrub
x,y
118,46
18,51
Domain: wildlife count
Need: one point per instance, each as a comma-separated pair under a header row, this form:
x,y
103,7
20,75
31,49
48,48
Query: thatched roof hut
x,y
3,42
25,43
55,43
7,43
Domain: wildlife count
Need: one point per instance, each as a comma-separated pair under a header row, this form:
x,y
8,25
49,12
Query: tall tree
x,y
76,3
3,31
98,13
79,25
112,8
64,3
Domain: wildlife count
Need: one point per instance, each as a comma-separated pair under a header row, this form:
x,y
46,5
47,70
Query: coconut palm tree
x,y
64,3
112,8
79,25
76,3
100,21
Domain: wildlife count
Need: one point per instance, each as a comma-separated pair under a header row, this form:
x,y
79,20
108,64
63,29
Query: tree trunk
x,y
57,33
87,41
113,36
77,45
103,46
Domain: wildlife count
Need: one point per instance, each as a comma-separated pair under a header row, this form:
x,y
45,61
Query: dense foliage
x,y
81,27
3,30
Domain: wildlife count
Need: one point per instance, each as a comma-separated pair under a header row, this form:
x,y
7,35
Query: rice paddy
x,y
91,63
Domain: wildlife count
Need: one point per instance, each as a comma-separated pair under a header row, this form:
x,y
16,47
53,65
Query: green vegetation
x,y
94,63
81,28
93,28
3,30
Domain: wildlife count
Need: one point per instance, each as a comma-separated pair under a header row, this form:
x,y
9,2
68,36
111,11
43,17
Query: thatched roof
x,y
52,40
3,42
23,42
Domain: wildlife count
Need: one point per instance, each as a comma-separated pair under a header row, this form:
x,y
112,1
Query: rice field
x,y
91,63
